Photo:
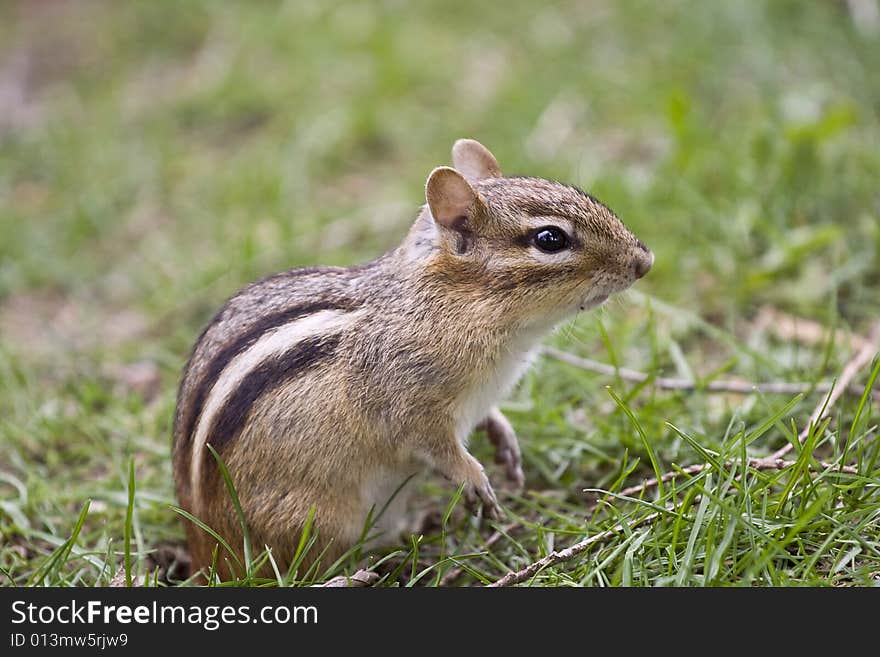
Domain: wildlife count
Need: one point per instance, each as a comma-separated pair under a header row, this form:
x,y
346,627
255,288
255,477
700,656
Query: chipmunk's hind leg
x,y
507,452
386,499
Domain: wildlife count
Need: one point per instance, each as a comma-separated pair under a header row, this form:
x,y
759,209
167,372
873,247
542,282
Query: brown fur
x,y
435,322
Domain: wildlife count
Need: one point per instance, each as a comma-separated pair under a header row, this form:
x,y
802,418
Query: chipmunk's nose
x,y
643,261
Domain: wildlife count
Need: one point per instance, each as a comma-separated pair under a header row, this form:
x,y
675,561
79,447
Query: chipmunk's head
x,y
546,248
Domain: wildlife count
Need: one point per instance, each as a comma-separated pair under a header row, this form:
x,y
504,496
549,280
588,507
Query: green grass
x,y
156,156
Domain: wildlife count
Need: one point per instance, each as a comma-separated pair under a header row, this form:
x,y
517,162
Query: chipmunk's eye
x,y
550,239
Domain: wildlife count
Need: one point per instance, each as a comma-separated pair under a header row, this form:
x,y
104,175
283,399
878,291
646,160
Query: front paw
x,y
512,463
507,452
478,490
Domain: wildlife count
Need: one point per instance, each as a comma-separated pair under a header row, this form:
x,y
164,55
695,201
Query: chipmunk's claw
x,y
507,452
512,466
478,491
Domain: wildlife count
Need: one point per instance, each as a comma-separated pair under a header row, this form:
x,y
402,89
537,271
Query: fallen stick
x,y
454,573
823,409
754,463
567,554
580,547
775,461
669,383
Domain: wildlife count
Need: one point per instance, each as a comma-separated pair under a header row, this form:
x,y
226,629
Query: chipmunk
x,y
331,386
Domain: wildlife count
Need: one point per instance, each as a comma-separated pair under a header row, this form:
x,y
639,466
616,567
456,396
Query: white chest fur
x,y
512,362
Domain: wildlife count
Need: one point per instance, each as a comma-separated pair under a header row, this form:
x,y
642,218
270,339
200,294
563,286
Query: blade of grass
x,y
686,566
60,554
201,525
768,424
653,458
444,521
129,515
709,458
866,395
236,503
306,541
800,466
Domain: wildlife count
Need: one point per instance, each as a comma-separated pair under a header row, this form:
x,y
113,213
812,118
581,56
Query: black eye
x,y
550,239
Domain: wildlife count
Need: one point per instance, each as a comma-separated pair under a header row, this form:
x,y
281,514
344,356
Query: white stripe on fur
x,y
272,343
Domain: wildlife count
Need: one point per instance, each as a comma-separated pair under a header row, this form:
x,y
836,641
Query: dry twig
x,y
567,554
454,573
754,463
580,547
863,357
775,461
669,383
823,409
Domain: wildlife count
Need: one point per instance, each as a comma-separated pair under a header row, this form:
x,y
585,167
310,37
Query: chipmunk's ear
x,y
474,160
453,202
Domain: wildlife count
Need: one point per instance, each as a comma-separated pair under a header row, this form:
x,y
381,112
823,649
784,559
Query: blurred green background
x,y
155,156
